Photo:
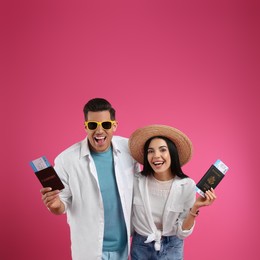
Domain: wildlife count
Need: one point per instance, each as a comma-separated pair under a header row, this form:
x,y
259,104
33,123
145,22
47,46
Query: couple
x,y
107,198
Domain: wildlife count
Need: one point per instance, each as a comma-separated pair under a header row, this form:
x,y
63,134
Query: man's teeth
x,y
99,137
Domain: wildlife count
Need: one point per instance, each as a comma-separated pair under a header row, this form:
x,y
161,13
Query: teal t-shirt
x,y
115,235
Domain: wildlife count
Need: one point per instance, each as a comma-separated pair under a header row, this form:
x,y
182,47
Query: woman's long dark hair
x,y
175,162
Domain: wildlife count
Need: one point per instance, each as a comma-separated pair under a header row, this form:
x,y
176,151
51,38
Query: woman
x,y
164,201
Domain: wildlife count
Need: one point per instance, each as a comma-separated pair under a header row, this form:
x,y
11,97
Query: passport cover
x,y
46,173
211,179
49,178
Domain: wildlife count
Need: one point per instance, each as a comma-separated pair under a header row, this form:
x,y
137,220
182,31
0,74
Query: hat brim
x,y
139,137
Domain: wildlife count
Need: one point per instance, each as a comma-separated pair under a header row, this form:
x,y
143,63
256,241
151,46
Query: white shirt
x,y
181,198
82,197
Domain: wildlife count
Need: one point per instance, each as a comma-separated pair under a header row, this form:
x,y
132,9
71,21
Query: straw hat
x,y
141,135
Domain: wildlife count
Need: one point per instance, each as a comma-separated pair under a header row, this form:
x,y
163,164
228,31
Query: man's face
x,y
100,138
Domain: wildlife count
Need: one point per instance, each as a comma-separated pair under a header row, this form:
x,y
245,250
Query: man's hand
x,y
52,200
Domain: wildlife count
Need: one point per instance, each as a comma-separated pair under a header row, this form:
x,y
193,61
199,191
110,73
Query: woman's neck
x,y
163,176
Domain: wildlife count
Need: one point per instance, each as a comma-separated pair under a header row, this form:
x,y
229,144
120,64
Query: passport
x,y
46,173
212,177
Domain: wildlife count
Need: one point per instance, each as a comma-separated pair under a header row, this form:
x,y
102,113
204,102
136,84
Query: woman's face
x,y
159,157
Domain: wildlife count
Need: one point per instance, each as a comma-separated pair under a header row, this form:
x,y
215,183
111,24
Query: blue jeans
x,y
171,249
116,255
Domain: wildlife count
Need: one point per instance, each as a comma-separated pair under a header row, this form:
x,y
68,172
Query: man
x,y
98,177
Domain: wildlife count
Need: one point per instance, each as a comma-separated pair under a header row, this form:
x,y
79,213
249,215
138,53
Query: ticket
x,y
40,164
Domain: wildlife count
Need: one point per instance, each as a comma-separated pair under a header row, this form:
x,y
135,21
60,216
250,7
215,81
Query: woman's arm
x,y
210,197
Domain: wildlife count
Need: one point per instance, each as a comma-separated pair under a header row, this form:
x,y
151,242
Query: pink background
x,y
189,64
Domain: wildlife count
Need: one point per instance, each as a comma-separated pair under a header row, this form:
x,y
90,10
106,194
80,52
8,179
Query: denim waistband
x,y
163,238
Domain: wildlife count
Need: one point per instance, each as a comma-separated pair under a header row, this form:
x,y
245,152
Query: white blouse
x,y
181,198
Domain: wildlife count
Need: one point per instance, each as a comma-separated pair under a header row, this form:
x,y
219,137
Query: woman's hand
x,y
210,197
